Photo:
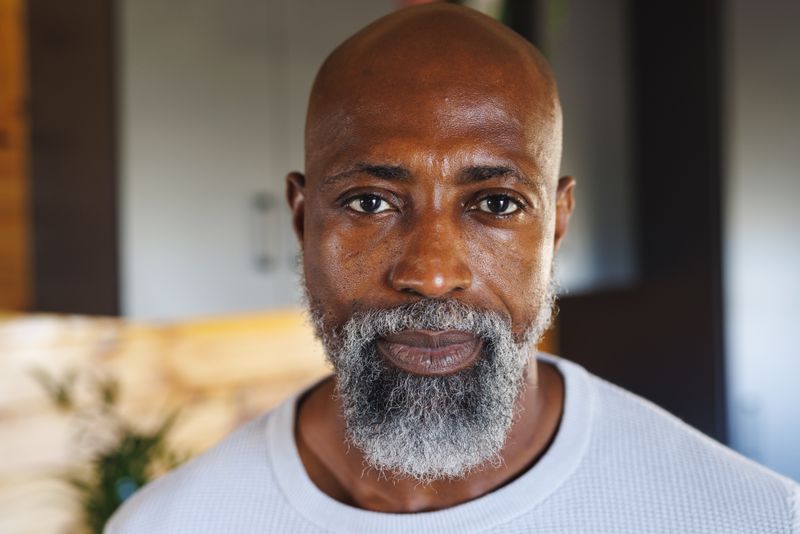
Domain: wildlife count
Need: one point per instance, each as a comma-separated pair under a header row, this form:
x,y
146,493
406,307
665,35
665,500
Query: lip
x,y
427,352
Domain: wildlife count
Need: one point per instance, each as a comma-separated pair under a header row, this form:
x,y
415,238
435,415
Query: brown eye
x,y
498,205
368,204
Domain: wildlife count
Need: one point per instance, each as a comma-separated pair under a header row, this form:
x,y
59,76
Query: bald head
x,y
433,141
438,66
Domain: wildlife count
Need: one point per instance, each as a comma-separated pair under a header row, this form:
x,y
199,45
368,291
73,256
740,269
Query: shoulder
x,y
656,461
231,476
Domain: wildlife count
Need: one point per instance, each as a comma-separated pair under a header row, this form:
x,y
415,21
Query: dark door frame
x,y
73,159
662,337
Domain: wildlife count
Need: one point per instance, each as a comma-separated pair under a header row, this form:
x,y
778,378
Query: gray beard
x,y
429,427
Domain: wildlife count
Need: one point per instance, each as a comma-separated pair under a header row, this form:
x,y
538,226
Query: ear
x,y
565,202
295,195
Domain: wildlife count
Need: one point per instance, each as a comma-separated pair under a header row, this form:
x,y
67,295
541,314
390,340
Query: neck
x,y
338,469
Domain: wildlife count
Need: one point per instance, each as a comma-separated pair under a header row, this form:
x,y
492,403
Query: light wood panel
x,y
217,372
14,221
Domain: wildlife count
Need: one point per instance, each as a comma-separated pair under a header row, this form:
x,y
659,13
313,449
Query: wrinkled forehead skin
x,y
435,74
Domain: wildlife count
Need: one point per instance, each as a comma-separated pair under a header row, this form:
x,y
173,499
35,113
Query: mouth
x,y
432,353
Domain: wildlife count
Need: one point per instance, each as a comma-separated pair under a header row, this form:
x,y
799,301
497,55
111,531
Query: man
x,y
428,217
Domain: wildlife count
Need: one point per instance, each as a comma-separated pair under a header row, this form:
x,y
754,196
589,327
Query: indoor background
x,y
144,236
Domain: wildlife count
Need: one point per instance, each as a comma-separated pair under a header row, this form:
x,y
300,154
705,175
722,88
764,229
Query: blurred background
x,y
145,241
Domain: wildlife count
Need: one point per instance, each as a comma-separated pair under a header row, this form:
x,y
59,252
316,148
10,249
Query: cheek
x,y
515,267
344,262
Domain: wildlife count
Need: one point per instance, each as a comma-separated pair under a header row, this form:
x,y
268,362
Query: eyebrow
x,y
470,175
482,173
384,172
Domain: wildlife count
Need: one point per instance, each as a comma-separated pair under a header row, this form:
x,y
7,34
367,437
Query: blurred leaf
x,y
59,392
109,392
132,460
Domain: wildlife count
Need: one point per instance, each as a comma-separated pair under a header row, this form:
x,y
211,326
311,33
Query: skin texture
x,y
435,113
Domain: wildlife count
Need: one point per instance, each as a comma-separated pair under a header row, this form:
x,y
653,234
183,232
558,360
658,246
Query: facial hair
x,y
429,427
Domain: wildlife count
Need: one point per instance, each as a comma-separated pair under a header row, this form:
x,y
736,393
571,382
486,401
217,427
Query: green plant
x,y
128,457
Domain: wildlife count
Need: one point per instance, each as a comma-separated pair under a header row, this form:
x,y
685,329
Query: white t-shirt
x,y
618,464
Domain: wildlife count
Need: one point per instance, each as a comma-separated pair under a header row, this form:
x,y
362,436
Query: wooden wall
x,y
217,372
14,221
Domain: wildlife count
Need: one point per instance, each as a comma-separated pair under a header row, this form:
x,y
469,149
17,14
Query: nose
x,y
432,263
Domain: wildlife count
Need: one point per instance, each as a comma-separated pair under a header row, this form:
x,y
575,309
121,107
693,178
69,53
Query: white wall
x,y
213,96
585,41
762,246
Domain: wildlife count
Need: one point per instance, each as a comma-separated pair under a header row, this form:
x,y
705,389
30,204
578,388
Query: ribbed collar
x,y
484,513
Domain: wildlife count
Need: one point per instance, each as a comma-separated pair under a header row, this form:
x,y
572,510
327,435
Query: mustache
x,y
426,314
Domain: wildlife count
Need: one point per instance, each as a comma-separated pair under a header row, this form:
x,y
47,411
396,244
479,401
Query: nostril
x,y
429,276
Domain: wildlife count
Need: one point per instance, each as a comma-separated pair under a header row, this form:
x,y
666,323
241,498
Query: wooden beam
x,y
14,217
73,156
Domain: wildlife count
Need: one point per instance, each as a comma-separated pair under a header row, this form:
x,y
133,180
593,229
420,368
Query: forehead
x,y
433,120
432,80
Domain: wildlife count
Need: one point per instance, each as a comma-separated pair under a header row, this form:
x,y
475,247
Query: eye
x,y
368,204
498,205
